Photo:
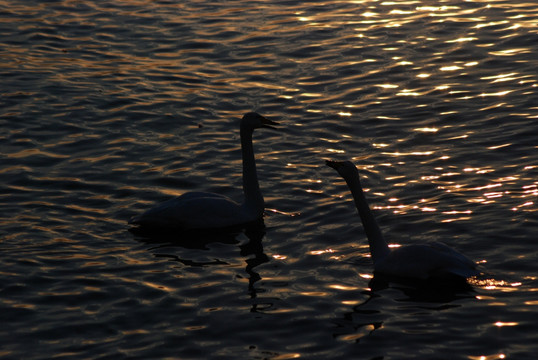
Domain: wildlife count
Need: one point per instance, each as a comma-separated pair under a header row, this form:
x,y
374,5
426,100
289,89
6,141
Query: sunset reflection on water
x,y
108,108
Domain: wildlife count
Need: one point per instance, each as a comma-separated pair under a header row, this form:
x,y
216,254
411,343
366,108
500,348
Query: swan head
x,y
253,120
346,169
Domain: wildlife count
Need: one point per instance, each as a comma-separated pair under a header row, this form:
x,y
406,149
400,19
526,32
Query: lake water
x,y
109,107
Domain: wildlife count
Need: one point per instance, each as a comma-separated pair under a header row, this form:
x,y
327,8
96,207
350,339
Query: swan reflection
x,y
370,315
252,250
431,291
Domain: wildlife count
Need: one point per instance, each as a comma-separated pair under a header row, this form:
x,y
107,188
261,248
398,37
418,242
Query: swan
x,y
420,261
203,210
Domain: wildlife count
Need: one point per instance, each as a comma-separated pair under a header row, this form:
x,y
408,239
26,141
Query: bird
x,y
208,211
422,262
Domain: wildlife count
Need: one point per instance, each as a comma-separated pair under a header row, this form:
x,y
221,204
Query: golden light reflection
x,y
464,39
401,12
501,323
499,93
454,212
500,77
363,331
528,203
314,293
478,170
414,153
17,304
135,332
387,86
490,192
343,287
461,218
286,356
493,195
435,8
426,130
511,52
398,209
450,68
491,23
350,302
387,118
369,14
409,92
194,327
311,95
336,151
33,152
320,252
488,357
493,284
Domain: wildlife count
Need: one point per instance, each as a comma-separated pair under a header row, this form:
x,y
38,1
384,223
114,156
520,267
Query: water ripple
x,y
108,108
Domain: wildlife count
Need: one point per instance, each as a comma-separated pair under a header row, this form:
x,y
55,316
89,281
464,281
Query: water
x,y
110,107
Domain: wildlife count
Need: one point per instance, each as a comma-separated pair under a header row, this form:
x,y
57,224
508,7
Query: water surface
x,y
108,108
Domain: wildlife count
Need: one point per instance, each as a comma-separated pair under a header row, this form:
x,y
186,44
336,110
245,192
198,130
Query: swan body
x,y
203,210
420,261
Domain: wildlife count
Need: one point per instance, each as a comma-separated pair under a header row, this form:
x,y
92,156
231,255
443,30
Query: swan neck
x,y
251,188
378,247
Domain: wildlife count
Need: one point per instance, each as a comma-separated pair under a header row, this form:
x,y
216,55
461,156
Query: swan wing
x,y
194,210
424,261
453,254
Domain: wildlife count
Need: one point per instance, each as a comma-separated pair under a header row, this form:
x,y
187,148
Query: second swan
x,y
419,261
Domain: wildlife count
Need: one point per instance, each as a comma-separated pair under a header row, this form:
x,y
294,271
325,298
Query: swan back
x,y
433,260
194,210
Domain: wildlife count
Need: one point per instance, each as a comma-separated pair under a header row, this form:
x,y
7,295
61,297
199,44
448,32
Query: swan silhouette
x,y
205,211
428,261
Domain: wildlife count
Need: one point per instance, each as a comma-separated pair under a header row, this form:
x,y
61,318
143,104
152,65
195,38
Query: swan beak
x,y
266,123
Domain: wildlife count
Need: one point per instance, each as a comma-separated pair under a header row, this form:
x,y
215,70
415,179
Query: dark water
x,y
107,108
